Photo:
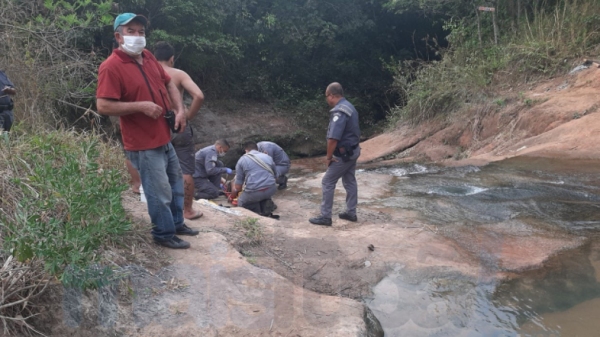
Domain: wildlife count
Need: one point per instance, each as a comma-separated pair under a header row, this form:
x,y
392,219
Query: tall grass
x,y
546,42
60,207
573,26
55,77
61,198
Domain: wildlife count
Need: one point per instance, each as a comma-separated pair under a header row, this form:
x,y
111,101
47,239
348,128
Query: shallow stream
x,y
550,199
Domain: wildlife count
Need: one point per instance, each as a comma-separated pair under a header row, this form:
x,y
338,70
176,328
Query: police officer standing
x,y
7,89
208,170
343,136
281,159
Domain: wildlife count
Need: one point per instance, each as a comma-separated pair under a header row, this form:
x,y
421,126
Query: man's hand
x,y
235,191
328,161
180,121
9,90
331,145
151,109
234,194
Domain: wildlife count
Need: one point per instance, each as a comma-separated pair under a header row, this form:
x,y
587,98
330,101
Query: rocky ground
x,y
556,118
297,279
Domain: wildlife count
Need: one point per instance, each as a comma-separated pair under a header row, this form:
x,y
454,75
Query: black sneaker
x,y
283,185
320,220
185,230
348,217
173,243
267,207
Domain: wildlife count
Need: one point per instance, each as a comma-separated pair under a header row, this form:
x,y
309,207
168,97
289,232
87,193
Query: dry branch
x,y
20,285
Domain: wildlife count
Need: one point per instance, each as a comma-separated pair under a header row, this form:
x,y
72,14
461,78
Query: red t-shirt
x,y
119,78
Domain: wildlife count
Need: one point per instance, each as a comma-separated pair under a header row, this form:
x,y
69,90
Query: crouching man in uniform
x,y
281,159
208,170
257,171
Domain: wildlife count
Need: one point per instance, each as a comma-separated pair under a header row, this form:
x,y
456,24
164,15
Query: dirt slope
x,y
555,118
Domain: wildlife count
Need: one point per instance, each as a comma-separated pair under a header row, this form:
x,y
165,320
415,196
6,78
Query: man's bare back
x,y
183,81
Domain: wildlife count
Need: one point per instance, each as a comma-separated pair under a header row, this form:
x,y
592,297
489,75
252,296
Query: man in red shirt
x,y
134,86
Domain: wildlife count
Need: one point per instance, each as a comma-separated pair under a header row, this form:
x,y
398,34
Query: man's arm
x,y
175,96
195,92
274,168
240,175
211,167
111,107
331,144
9,90
337,124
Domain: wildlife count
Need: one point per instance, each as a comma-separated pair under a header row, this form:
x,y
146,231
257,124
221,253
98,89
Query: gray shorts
x,y
184,147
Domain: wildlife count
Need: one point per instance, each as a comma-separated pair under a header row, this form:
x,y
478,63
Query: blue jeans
x,y
163,187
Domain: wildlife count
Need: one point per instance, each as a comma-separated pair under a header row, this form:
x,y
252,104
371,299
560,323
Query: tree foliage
x,y
47,51
536,40
288,50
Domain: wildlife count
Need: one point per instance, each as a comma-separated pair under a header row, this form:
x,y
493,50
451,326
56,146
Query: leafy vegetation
x,y
60,207
59,203
60,189
47,52
545,39
287,51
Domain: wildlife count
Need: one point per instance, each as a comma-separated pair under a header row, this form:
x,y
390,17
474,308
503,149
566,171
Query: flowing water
x,y
529,198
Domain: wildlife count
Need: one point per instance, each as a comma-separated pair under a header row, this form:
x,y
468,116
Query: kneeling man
x,y
209,169
255,171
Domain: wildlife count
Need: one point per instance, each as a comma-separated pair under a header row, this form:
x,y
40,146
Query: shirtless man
x,y
183,142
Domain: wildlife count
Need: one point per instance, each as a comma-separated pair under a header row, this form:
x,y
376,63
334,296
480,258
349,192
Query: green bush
x,y
61,201
538,46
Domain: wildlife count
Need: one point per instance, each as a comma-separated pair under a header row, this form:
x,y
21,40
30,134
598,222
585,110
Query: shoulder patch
x,y
213,158
345,109
335,118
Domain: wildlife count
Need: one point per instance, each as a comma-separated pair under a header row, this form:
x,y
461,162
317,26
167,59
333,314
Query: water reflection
x,y
496,194
441,304
515,197
566,280
457,190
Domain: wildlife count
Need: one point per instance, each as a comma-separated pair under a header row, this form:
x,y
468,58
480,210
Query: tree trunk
x,y
512,13
478,26
495,23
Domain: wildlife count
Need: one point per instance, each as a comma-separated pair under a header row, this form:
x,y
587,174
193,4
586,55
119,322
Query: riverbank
x,y
557,118
305,280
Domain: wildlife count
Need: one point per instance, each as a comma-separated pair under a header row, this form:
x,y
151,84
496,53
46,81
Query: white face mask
x,y
134,45
221,154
